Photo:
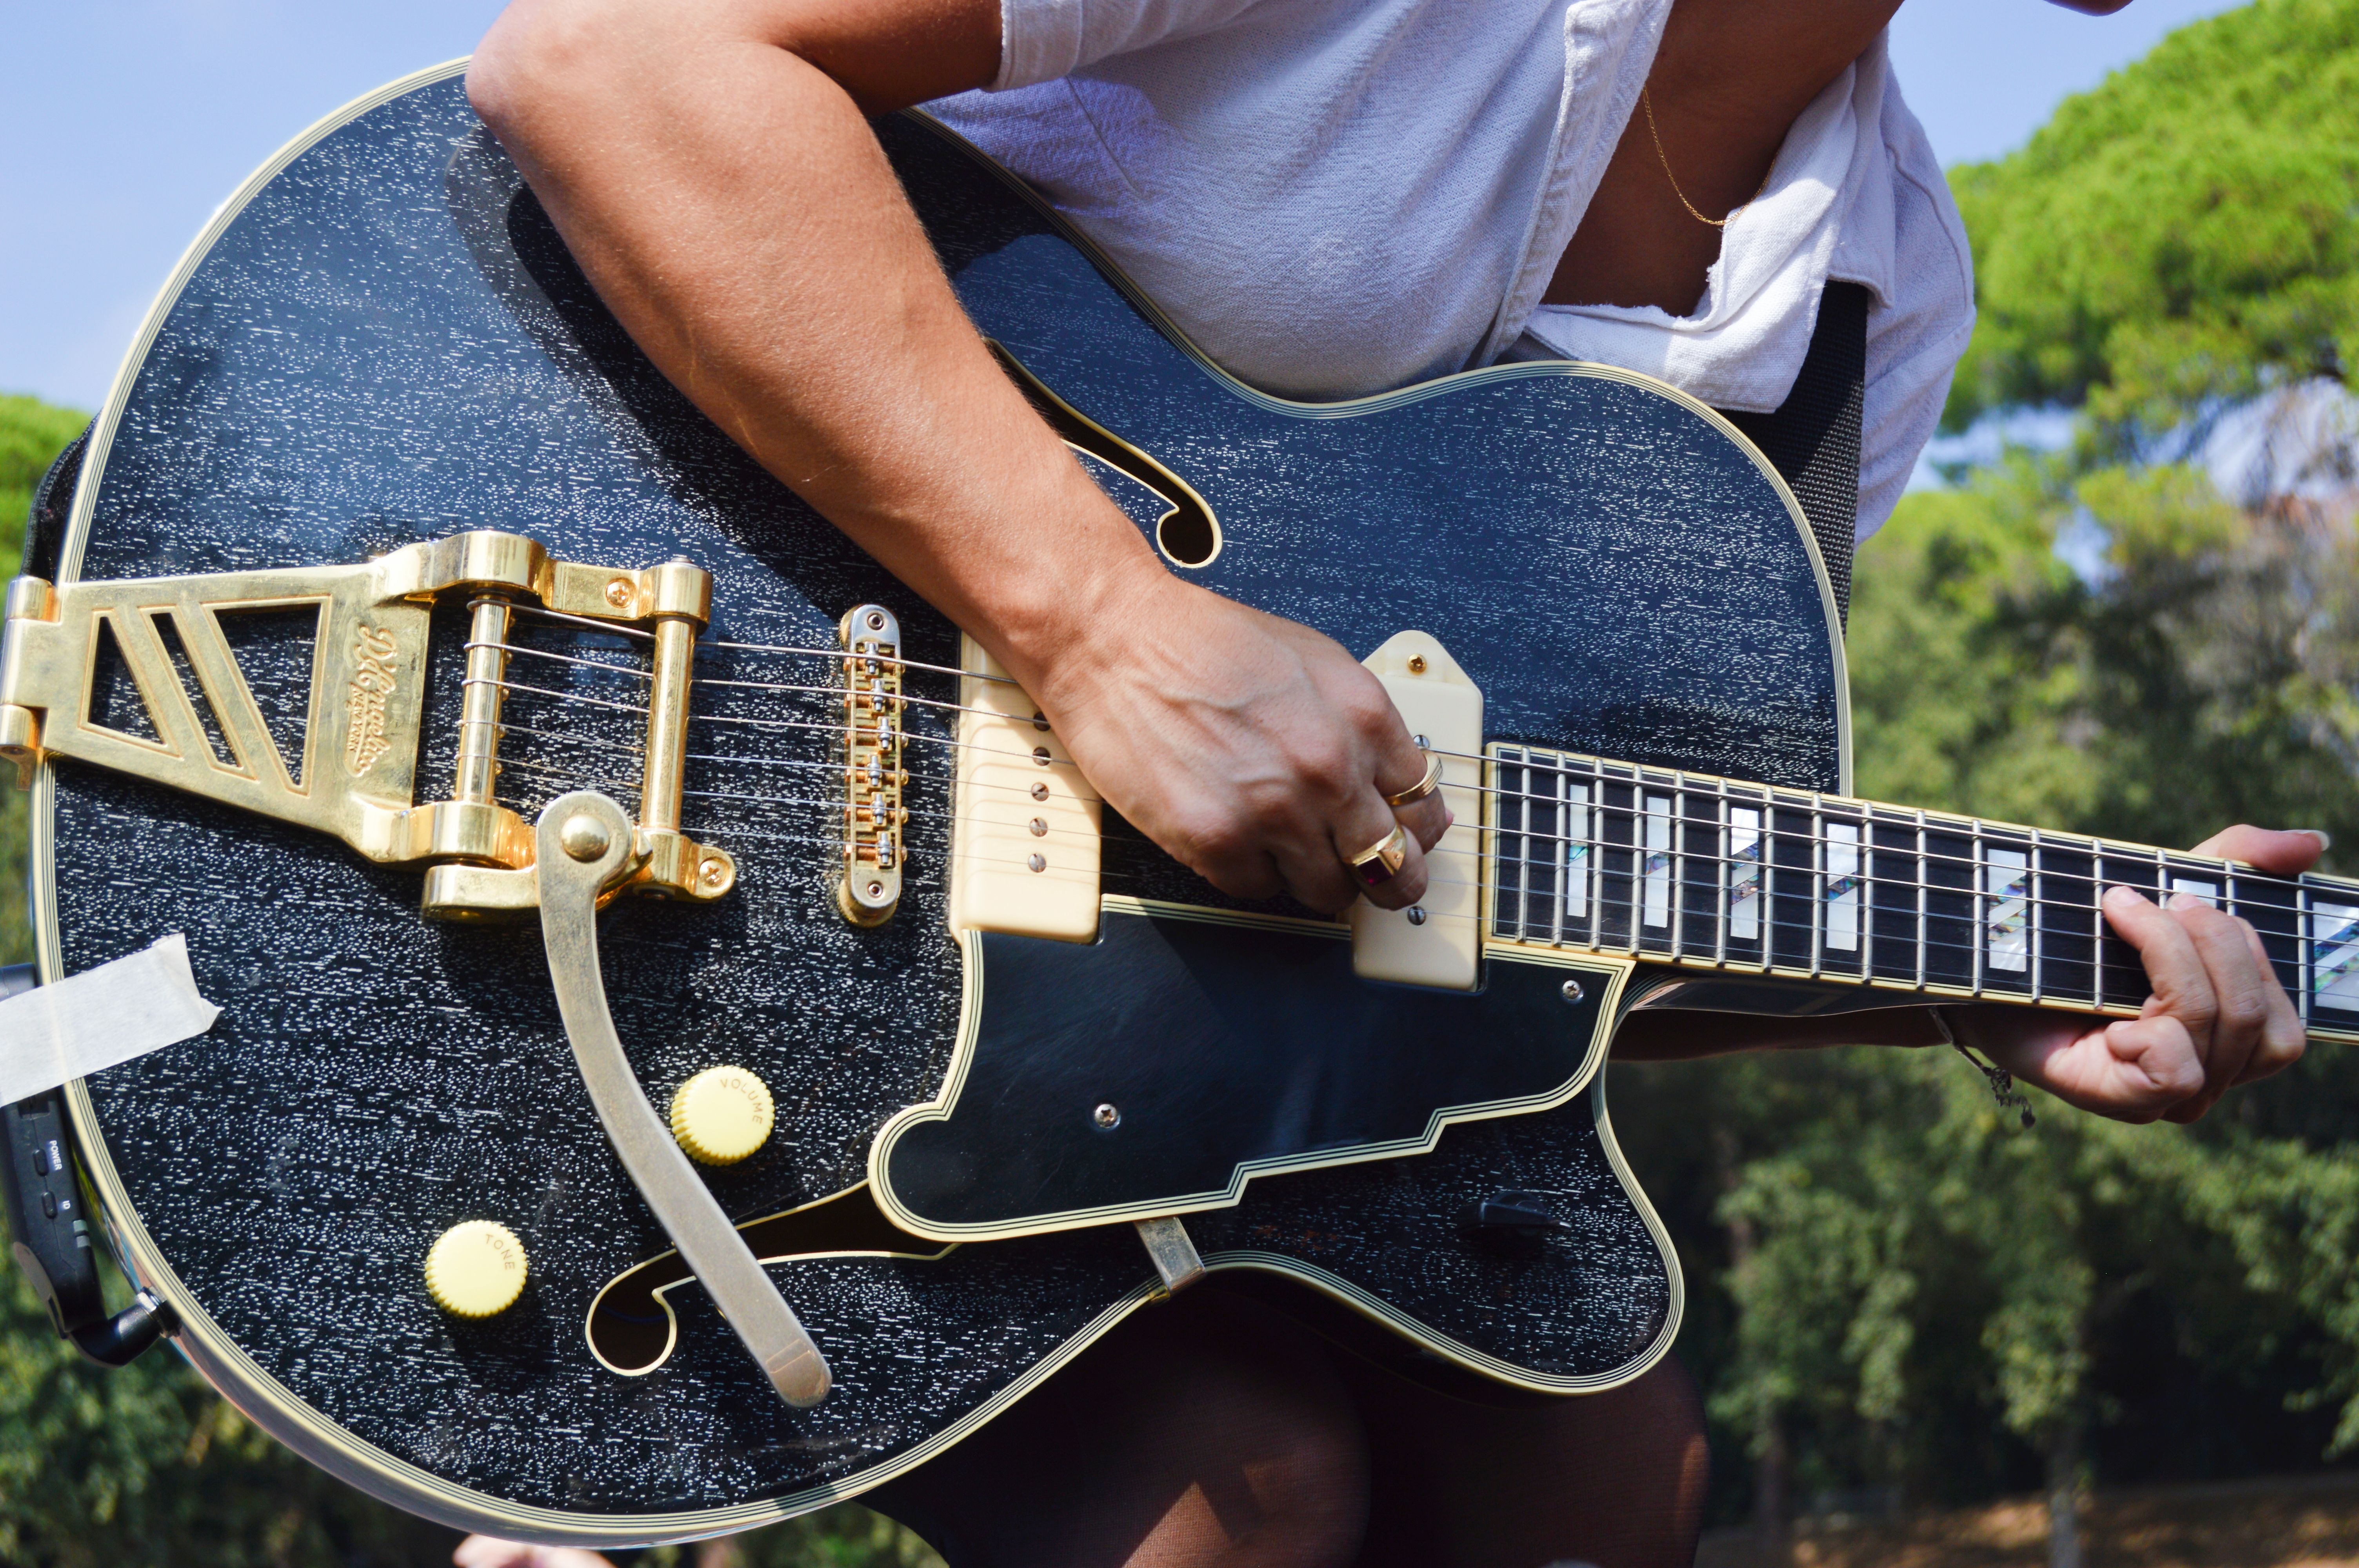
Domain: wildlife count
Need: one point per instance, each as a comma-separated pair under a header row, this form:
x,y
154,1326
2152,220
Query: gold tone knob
x,y
721,1115
476,1269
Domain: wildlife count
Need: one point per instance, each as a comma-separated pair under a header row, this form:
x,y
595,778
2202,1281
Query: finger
x,y
1426,820
1313,874
482,1552
2149,1068
2282,1037
2131,1070
2240,993
2182,989
2285,854
1366,824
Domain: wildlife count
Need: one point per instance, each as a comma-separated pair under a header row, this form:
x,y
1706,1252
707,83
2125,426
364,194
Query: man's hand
x,y
1253,749
709,166
2217,1018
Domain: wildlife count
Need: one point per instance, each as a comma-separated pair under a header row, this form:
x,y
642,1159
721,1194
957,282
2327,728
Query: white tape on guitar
x,y
100,1018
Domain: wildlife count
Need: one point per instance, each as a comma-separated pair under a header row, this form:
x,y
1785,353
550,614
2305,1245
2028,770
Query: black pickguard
x,y
386,342
1226,1050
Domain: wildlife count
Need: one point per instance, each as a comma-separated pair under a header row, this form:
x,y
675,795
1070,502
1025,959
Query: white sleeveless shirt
x,y
1337,197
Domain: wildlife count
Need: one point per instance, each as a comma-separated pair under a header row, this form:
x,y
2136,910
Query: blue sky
x,y
127,121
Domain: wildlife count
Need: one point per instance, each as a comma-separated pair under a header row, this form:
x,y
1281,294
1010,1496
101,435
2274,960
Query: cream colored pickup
x,y
1025,845
1438,942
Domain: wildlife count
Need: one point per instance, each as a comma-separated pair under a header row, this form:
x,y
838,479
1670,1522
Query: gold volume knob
x,y
721,1115
476,1269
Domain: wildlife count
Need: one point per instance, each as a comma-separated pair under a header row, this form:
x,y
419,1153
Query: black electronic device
x,y
49,1226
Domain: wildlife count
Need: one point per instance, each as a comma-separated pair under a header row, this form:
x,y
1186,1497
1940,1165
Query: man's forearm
x,y
727,198
1672,1034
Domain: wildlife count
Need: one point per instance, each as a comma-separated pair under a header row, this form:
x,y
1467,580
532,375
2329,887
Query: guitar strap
x,y
1812,437
45,527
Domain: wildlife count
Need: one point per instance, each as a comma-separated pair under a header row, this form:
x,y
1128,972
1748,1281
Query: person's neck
x,y
1728,82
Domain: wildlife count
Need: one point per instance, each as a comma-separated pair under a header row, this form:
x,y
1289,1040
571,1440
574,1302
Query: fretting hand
x,y
2217,1018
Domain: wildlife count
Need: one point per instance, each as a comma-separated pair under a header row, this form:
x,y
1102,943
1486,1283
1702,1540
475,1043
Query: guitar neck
x,y
1714,875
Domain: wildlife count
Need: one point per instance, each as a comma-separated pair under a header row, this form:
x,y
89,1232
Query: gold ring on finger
x,y
1423,787
1382,861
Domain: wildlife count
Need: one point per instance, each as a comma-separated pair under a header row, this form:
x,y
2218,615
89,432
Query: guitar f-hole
x,y
1189,534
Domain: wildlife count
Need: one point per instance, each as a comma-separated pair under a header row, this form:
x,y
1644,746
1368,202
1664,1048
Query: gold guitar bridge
x,y
355,778
870,887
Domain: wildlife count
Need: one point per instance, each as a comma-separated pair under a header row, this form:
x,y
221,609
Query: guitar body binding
x,y
380,342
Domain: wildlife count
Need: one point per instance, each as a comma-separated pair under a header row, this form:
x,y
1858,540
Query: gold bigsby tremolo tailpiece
x,y
355,778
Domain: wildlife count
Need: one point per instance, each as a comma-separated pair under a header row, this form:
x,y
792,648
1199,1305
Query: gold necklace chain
x,y
1646,102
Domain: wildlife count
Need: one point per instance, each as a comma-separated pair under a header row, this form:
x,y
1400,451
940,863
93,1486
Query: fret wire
x,y
1983,906
1564,876
2097,920
1744,964
1924,931
2305,929
1524,872
1676,832
1593,862
1867,894
2092,842
2038,927
2124,967
1723,875
1818,874
2118,968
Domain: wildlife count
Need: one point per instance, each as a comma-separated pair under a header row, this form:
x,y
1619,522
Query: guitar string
x,y
1862,970
747,685
1589,776
838,655
1683,945
1633,812
2034,902
833,769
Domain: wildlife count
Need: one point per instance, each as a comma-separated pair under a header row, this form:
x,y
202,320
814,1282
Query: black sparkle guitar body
x,y
382,341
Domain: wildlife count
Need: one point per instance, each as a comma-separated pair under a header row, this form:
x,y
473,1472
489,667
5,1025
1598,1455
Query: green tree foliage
x,y
2180,237
1907,1289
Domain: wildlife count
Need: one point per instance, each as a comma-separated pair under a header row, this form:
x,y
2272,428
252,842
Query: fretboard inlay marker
x,y
2007,878
2334,955
1744,875
1717,874
1842,886
1657,876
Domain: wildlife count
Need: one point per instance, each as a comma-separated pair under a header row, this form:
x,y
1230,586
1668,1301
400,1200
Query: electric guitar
x,y
404,619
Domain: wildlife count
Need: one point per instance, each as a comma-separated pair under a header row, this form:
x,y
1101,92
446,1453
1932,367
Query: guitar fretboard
x,y
1712,873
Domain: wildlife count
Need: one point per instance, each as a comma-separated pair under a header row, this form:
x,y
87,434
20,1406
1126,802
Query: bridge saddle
x,y
355,776
869,890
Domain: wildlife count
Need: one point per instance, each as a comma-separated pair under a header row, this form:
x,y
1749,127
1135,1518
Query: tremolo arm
x,y
356,774
355,777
